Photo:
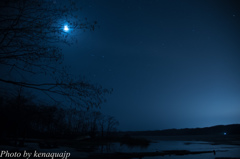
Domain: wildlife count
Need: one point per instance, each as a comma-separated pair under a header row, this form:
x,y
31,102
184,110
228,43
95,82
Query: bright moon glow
x,y
66,28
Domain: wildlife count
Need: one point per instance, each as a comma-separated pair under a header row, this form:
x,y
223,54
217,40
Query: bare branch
x,y
28,44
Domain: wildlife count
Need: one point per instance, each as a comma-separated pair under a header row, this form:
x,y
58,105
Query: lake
x,y
221,150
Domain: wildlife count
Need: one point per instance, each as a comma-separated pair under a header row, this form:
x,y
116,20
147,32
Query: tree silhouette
x,y
31,32
112,123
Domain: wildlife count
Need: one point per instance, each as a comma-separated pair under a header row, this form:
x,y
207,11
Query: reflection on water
x,y
221,150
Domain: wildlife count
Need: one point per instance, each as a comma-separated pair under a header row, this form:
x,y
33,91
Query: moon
x,y
66,29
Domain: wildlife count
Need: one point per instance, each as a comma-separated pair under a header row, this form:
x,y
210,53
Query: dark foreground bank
x,y
141,155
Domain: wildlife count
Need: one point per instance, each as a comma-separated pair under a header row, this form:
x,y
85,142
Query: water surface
x,y
221,150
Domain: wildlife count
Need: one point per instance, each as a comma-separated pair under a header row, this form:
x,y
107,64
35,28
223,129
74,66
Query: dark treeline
x,y
21,117
233,129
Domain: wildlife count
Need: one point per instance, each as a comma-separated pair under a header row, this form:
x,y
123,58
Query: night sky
x,y
171,64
